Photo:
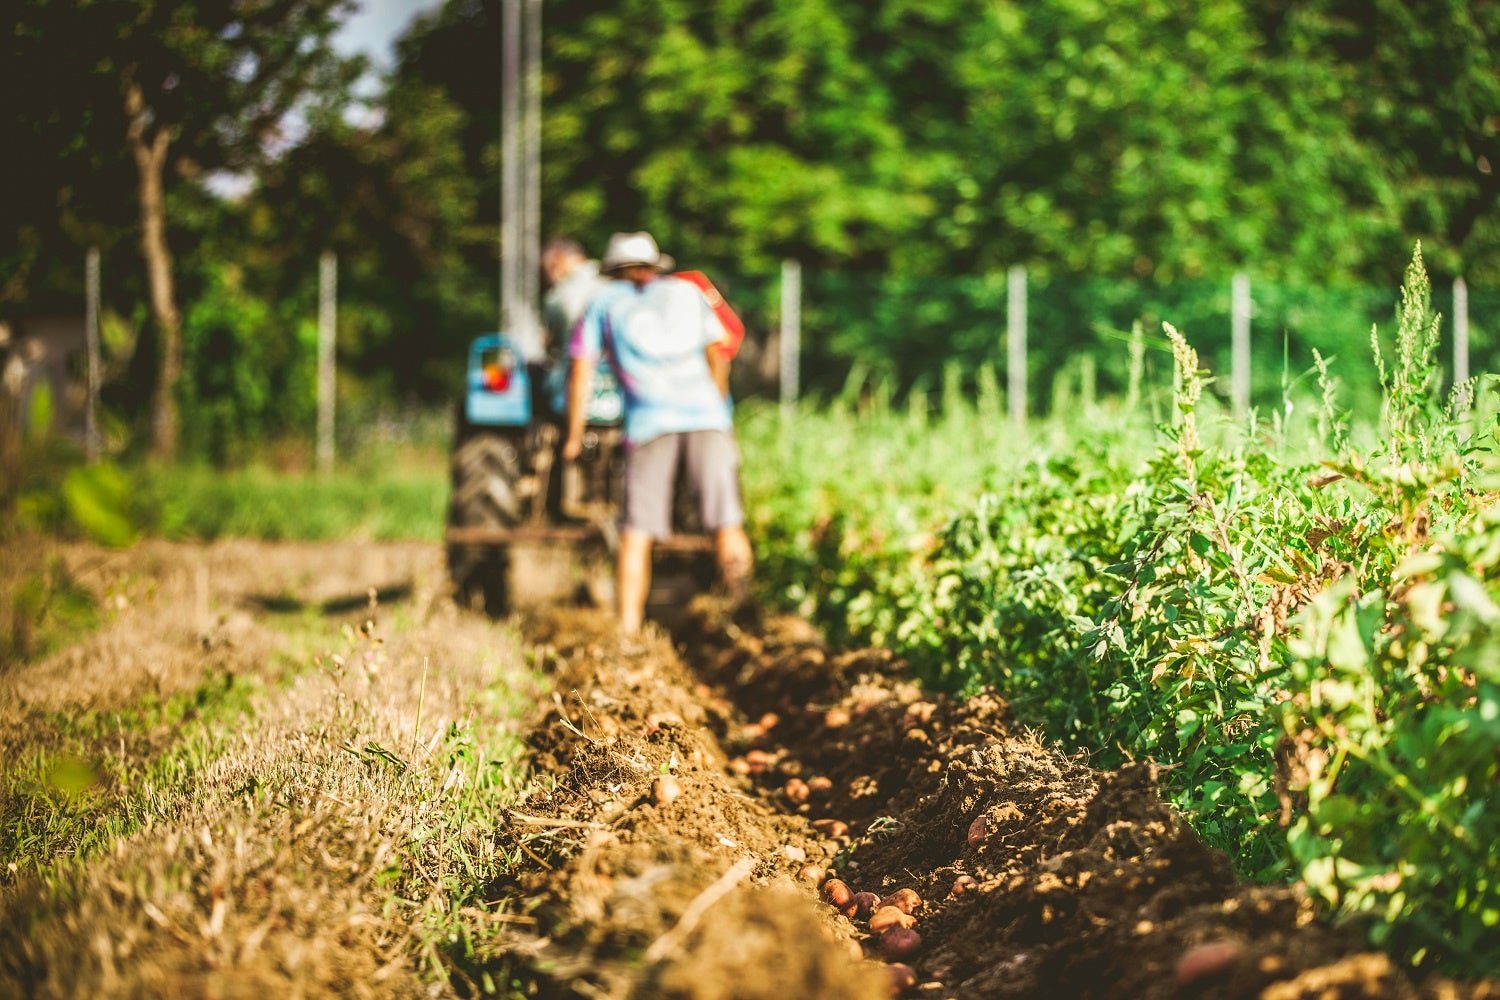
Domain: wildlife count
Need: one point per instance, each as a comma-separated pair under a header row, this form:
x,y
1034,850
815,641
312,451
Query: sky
x,y
370,29
375,24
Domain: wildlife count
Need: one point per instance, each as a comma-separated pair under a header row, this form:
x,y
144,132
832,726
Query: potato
x,y
836,718
920,712
964,883
886,917
831,827
977,831
820,785
905,900
797,791
665,789
663,720
903,976
838,893
1207,960
862,905
812,873
899,943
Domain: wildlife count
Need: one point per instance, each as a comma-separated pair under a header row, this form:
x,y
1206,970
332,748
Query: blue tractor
x,y
524,527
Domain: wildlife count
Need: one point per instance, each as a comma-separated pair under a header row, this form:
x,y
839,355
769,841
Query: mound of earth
x,y
712,803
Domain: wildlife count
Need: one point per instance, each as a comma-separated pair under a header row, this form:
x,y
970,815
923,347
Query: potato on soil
x,y
665,789
977,831
831,827
1207,960
899,943
906,900
886,917
797,791
862,905
663,720
820,785
813,874
903,976
837,892
964,883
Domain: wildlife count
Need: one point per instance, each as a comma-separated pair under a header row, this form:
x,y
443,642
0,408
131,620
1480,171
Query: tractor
x,y
527,529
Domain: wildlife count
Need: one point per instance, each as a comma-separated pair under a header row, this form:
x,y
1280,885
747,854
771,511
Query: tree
x,y
186,89
1421,89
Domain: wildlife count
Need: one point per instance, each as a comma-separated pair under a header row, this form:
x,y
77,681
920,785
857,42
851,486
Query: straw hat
x,y
634,249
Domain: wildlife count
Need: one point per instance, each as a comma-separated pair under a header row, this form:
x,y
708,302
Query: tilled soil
x,y
698,790
690,796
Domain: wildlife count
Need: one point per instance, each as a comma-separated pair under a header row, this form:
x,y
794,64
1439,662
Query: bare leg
x,y
732,549
633,580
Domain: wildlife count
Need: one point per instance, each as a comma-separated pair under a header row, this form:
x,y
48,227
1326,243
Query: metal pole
x,y
1239,343
510,161
1015,343
791,332
327,323
1461,341
91,337
531,214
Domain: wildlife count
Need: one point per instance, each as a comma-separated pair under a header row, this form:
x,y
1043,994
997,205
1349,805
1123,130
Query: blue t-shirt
x,y
655,335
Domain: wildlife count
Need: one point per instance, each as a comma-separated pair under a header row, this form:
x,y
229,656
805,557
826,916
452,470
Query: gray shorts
x,y
712,463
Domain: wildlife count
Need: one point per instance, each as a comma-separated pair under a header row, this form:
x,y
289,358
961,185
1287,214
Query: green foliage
x,y
187,501
50,489
1306,645
75,794
247,375
97,498
45,605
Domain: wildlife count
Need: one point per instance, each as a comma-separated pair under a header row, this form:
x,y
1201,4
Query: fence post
x,y
1239,343
1015,343
529,266
1461,342
510,163
91,339
327,321
791,333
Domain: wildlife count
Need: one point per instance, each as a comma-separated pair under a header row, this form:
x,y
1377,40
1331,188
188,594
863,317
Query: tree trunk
x,y
150,152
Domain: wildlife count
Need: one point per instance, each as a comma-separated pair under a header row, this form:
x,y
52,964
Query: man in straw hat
x,y
666,346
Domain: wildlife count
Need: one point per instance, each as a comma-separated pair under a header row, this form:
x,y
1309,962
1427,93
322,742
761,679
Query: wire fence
x,y
908,330
1046,338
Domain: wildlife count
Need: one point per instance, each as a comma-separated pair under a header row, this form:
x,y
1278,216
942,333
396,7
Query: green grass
x,y
382,503
96,777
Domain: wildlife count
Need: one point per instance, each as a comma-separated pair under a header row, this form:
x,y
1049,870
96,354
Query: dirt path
x,y
354,821
1027,874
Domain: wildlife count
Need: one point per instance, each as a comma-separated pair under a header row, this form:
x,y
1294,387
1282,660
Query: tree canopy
x,y
899,148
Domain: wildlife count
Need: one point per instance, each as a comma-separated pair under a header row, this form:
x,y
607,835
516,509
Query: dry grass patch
x,y
318,827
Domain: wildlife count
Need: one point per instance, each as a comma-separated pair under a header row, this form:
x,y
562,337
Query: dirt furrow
x,y
699,792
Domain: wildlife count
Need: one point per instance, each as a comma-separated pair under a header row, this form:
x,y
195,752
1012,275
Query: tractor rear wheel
x,y
486,492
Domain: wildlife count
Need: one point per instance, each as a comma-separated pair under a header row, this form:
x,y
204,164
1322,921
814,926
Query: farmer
x,y
666,346
572,282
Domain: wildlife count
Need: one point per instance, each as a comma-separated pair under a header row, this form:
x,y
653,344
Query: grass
x,y
405,501
313,814
45,608
97,777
